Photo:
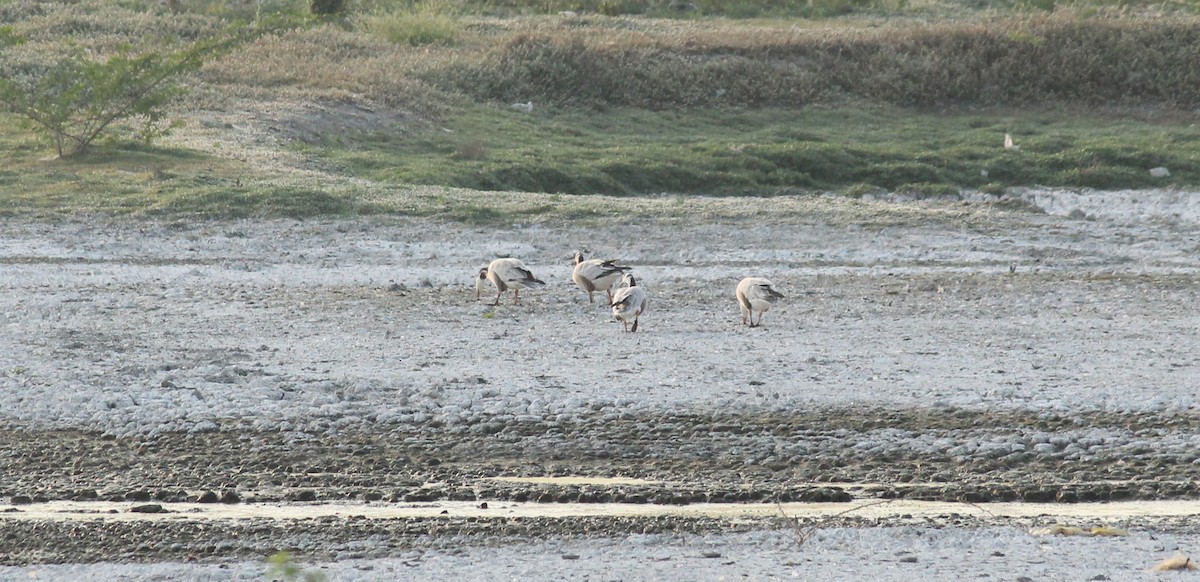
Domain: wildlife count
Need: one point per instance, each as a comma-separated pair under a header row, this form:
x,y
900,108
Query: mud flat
x,y
980,353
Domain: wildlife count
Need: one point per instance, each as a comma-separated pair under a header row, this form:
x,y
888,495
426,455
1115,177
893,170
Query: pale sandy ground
x,y
136,328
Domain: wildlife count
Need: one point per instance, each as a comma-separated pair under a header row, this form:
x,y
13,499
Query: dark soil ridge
x,y
730,457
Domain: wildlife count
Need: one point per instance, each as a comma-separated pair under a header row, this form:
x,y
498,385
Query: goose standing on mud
x,y
629,302
506,274
596,275
756,294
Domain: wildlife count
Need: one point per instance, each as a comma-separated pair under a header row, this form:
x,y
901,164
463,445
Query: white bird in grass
x,y
629,302
596,275
506,274
756,294
1009,145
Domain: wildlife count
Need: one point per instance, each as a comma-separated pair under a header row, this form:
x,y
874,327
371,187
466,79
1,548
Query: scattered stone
x,y
483,505
230,496
1160,172
908,560
570,556
711,554
148,508
20,500
208,497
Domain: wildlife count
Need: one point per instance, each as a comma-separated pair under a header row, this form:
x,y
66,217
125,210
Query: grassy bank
x,y
347,115
764,152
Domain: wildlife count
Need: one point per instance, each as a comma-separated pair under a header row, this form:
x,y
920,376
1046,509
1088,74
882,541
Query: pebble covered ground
x,y
973,352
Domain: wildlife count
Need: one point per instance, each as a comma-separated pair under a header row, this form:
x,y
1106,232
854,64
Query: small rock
x,y
570,556
908,560
1160,172
20,500
148,508
711,554
483,505
1099,577
230,496
208,497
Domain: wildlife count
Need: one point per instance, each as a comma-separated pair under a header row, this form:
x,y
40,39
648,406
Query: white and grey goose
x,y
629,302
596,275
756,294
506,274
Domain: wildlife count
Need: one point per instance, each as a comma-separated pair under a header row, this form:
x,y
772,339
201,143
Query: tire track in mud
x,y
836,455
669,459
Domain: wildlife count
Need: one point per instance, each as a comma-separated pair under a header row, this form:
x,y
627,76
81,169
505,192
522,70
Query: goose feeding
x,y
506,274
596,275
629,302
756,294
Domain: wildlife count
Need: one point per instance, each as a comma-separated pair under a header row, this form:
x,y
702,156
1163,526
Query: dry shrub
x,y
335,62
1056,59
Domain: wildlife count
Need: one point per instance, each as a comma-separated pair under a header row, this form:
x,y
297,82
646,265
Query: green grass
x,y
629,153
766,152
135,179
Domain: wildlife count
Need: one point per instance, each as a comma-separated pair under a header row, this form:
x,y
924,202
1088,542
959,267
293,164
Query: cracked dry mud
x,y
989,355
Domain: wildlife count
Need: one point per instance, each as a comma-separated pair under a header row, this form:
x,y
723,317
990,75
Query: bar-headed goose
x,y
506,274
629,302
596,275
756,294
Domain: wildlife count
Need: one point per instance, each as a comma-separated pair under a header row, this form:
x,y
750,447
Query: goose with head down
x,y
629,302
596,275
506,274
756,294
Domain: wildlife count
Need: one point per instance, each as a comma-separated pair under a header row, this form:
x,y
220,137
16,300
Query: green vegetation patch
x,y
147,180
764,152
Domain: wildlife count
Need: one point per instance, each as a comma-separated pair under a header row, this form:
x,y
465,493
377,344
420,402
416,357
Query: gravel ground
x,y
944,351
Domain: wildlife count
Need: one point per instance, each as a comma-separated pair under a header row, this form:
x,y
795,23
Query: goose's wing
x,y
526,276
514,271
769,292
596,270
629,299
758,289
